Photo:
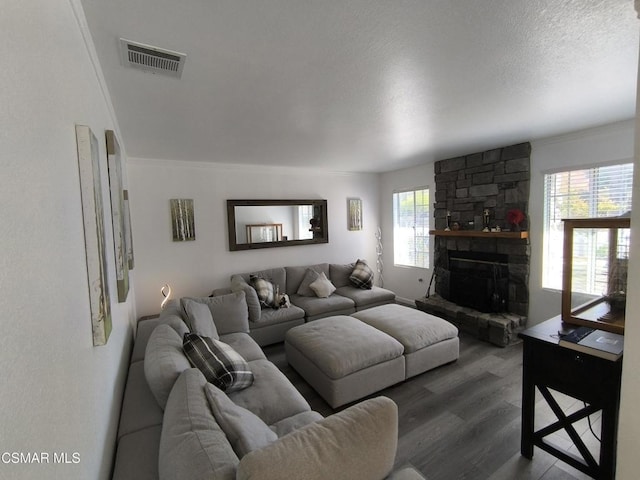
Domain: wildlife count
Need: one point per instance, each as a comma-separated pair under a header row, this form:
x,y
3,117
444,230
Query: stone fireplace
x,y
482,278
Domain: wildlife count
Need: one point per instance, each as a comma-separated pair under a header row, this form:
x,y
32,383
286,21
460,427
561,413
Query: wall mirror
x,y
276,223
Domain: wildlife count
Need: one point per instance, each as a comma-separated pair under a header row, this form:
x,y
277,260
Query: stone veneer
x,y
496,180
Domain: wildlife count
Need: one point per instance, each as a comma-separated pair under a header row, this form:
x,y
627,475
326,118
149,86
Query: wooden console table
x,y
596,381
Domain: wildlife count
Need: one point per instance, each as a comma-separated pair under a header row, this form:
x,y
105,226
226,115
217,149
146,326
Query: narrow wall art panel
x,y
128,235
355,214
94,233
182,219
114,162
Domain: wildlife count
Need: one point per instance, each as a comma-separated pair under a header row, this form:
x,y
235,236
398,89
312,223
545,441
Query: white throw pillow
x,y
322,286
245,430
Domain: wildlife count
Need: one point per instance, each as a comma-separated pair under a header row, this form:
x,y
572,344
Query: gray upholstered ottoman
x,y
428,341
344,359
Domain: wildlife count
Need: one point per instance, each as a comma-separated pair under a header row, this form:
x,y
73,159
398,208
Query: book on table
x,y
595,342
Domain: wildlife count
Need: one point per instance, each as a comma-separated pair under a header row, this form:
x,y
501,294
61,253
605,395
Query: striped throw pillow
x,y
362,275
219,363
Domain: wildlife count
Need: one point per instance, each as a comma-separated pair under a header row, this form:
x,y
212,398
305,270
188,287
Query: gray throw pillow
x,y
199,318
230,313
305,289
245,430
219,363
362,275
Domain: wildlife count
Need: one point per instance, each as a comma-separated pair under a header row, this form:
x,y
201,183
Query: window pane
x,y
590,193
411,228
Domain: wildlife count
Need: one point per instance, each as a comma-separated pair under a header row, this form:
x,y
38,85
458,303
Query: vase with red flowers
x,y
515,218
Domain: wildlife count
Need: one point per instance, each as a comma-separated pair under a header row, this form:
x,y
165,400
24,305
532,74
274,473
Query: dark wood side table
x,y
593,380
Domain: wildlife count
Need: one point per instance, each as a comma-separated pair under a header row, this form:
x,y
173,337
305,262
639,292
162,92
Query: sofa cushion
x,y
264,289
245,430
164,362
253,303
220,364
364,297
244,345
272,397
199,319
313,306
362,275
140,409
229,312
340,273
322,287
305,289
280,315
137,455
295,422
192,444
359,442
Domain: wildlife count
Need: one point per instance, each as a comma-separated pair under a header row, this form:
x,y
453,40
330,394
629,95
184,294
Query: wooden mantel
x,y
479,233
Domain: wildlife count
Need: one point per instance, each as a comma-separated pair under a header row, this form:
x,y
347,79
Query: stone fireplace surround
x,y
496,180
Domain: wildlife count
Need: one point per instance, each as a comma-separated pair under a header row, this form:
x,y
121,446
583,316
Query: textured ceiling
x,y
364,85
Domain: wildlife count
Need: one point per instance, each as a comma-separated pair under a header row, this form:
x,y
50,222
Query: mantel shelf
x,y
478,233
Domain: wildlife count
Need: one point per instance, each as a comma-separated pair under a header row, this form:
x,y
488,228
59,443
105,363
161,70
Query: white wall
x,y
405,281
196,268
610,143
59,393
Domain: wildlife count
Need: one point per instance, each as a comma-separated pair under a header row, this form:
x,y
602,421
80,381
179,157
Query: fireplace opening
x,y
479,280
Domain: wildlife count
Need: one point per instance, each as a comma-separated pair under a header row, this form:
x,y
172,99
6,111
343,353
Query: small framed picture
x,y
355,213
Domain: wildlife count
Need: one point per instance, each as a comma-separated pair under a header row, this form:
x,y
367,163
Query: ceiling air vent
x,y
151,59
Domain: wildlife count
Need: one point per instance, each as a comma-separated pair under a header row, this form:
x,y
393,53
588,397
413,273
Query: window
x,y
595,192
302,231
411,228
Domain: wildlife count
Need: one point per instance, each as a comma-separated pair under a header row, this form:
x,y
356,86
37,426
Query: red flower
x,y
515,216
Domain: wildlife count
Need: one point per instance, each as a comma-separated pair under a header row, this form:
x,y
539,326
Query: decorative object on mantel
x,y
355,213
448,227
94,234
166,294
515,218
182,219
485,220
379,264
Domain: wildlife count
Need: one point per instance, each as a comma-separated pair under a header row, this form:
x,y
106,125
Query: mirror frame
x,y
320,236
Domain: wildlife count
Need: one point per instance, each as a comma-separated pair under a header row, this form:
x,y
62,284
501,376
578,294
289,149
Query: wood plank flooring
x,y
462,420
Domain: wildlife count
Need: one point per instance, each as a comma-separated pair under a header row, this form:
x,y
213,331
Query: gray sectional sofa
x,y
170,429
268,325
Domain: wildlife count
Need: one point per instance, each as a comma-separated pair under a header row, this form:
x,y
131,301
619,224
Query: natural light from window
x,y
603,191
411,228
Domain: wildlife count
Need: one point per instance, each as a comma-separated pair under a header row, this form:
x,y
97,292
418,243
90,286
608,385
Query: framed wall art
x,y
114,162
182,219
355,213
94,233
128,235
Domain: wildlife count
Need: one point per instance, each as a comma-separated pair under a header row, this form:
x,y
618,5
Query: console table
x,y
596,381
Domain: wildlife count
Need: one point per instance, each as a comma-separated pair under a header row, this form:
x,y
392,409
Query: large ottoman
x,y
428,341
344,359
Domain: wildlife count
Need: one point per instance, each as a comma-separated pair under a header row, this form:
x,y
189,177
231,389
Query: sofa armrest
x,y
359,442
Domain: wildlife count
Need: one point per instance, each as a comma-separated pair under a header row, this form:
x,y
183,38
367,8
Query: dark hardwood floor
x,y
462,420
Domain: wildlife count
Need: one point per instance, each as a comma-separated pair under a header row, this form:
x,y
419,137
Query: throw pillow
x,y
322,286
304,289
362,275
218,362
199,318
244,429
265,290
